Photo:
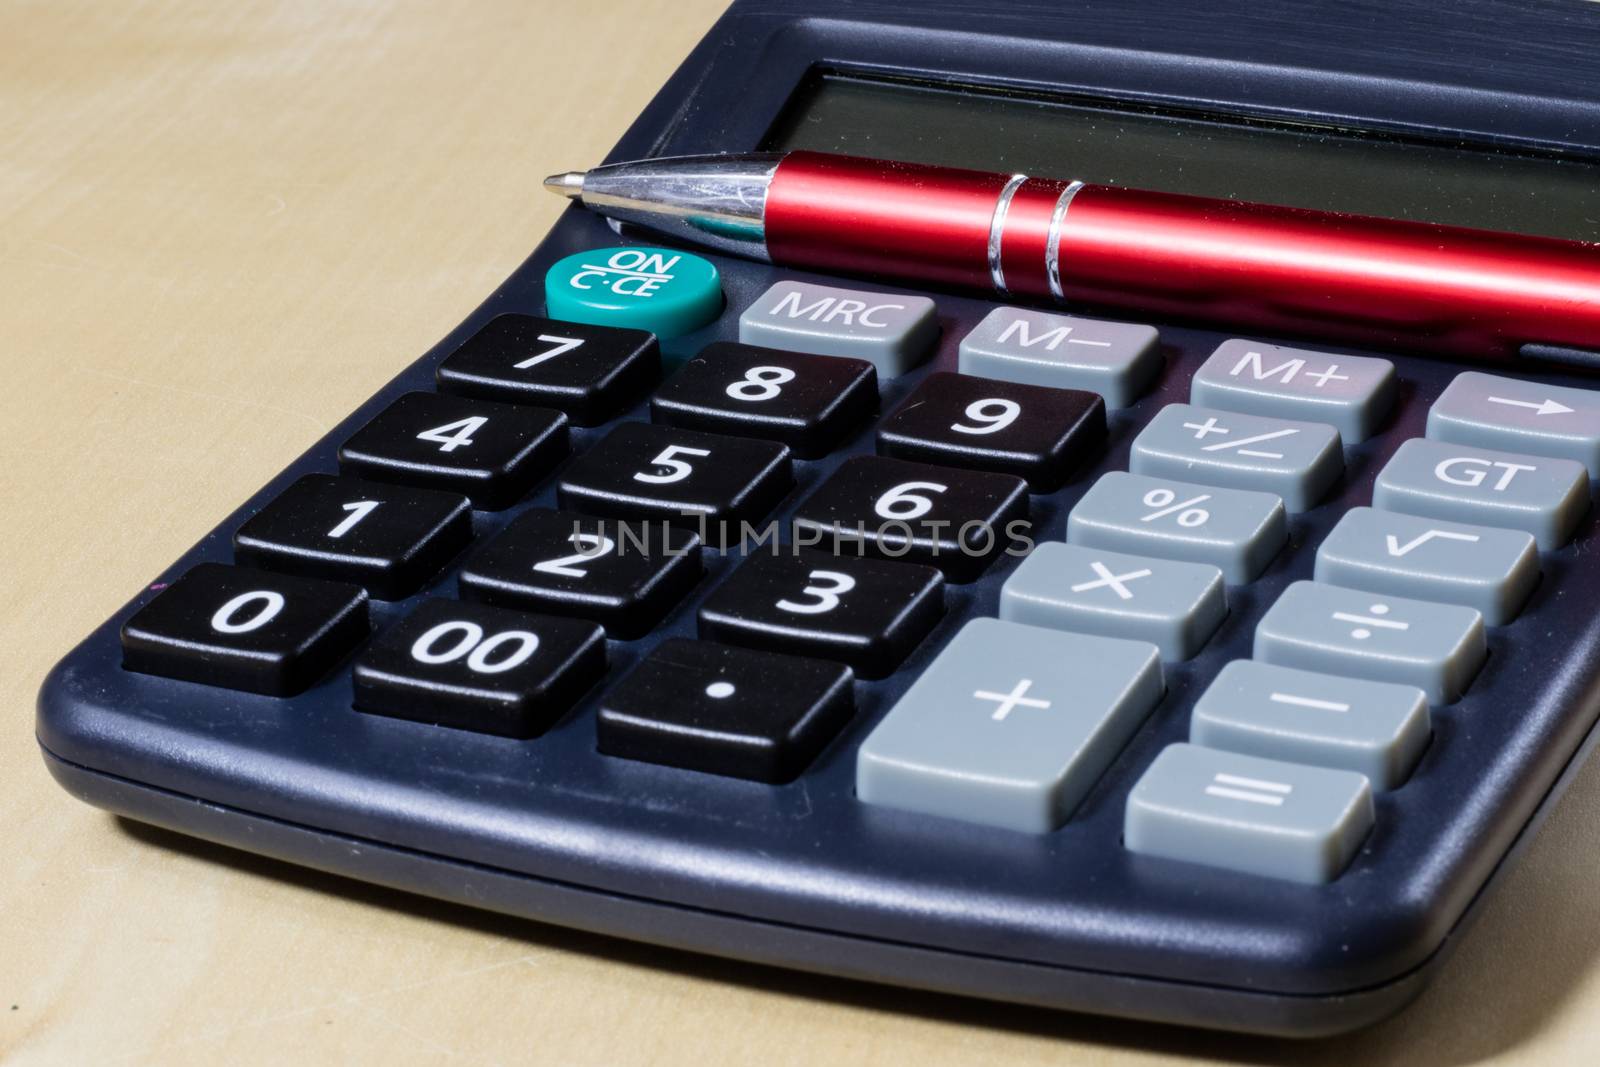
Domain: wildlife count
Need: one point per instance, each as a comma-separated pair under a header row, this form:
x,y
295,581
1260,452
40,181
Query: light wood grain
x,y
221,226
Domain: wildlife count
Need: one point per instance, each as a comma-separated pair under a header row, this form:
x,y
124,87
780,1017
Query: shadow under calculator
x,y
1469,1014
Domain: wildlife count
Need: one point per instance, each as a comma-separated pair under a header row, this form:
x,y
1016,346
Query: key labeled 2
x,y
624,575
957,521
868,614
480,668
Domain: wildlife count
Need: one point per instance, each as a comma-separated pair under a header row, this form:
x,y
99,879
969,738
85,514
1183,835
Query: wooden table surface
x,y
221,226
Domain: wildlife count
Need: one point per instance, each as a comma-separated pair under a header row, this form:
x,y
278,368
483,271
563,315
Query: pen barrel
x,y
1379,282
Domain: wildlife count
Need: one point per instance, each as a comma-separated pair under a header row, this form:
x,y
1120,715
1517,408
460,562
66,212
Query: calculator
x,y
1024,651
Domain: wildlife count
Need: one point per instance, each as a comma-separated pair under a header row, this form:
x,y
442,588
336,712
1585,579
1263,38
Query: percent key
x,y
1238,531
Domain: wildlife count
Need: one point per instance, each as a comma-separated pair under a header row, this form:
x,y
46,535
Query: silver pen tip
x,y
568,184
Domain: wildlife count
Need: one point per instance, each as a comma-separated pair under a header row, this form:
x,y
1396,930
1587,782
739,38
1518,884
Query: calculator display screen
x,y
1334,169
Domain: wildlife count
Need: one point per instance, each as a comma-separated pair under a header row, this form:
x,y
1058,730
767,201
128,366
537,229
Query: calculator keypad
x,y
806,402
480,668
958,521
725,710
624,576
388,538
491,453
868,614
592,373
1017,717
246,629
681,477
1040,435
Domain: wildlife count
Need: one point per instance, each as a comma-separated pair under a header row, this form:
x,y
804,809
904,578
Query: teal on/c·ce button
x,y
658,289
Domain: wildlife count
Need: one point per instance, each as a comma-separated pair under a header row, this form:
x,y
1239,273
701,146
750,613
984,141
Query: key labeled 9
x,y
1031,431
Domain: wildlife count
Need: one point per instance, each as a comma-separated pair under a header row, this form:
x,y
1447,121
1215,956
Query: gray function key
x,y
1351,393
1480,567
1118,360
1259,816
1459,483
1232,529
1378,729
892,331
1541,420
1299,461
1177,606
1010,726
1436,647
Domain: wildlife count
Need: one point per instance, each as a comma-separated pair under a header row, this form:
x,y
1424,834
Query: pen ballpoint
x,y
1380,282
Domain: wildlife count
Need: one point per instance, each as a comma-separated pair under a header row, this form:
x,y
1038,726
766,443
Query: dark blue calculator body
x,y
1025,652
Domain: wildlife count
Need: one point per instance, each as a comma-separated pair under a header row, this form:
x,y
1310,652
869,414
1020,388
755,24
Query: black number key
x,y
726,710
590,372
807,402
480,668
491,453
1033,431
246,629
389,538
865,613
679,476
625,576
958,521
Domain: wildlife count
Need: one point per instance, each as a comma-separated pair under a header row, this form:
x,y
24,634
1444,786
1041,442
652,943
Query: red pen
x,y
1379,282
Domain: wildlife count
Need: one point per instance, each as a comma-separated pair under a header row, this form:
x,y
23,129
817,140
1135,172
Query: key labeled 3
x,y
866,613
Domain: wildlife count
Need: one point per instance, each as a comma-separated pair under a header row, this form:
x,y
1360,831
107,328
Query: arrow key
x,y
1489,411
